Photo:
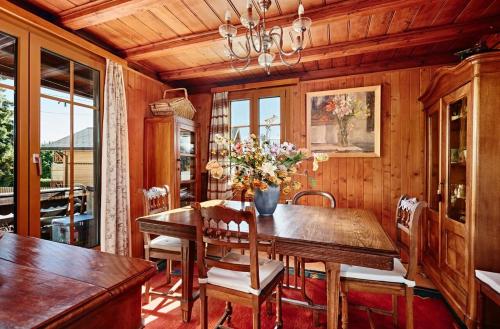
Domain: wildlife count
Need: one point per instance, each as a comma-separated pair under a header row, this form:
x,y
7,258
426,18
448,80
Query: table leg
x,y
333,293
187,252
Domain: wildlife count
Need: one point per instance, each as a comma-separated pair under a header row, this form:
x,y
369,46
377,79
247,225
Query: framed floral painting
x,y
345,122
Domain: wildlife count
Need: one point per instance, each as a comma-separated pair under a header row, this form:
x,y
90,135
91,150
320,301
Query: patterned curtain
x,y
219,124
115,192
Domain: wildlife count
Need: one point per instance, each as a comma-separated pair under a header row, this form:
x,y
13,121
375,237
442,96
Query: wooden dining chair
x,y
235,278
300,263
156,200
398,282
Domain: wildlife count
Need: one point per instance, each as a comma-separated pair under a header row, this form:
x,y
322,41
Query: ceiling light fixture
x,y
257,38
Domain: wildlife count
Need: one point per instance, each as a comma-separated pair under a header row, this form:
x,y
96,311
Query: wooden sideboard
x,y
461,229
45,284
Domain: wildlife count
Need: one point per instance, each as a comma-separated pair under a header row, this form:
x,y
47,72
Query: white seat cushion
x,y
492,279
167,243
268,269
397,275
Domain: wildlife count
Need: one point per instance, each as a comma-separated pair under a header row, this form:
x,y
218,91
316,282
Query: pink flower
x,y
238,148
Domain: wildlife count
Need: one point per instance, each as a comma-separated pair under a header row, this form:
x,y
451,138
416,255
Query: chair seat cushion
x,y
268,270
397,275
167,243
492,279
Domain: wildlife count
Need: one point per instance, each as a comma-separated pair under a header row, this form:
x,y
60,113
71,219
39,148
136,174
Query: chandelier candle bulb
x,y
263,40
228,16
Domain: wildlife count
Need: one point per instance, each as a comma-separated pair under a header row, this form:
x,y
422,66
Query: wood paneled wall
x,y
140,92
371,183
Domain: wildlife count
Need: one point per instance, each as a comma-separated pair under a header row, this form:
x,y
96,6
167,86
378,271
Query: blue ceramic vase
x,y
267,201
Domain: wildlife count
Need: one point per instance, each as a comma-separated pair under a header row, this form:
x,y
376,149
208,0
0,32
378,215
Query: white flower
x,y
319,157
268,168
219,139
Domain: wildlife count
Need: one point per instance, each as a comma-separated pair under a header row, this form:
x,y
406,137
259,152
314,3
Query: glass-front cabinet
x,y
460,228
444,229
171,157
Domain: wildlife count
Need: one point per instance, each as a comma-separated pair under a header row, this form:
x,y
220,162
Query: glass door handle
x,y
36,161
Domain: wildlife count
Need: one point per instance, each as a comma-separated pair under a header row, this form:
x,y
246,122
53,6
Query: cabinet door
x,y
455,168
431,224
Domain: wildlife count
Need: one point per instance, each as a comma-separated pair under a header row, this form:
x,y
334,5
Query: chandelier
x,y
261,40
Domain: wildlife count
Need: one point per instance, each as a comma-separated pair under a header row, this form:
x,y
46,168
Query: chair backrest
x,y
156,199
221,226
327,195
408,213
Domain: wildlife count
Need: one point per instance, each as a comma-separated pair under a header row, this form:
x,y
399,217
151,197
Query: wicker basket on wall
x,y
180,106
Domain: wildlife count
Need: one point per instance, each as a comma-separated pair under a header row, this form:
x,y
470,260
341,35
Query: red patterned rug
x,y
430,313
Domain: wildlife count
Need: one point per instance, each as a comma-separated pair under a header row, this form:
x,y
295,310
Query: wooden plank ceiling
x,y
179,41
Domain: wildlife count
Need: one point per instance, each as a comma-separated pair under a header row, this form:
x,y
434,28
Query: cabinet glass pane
x,y
186,142
7,133
187,168
434,161
457,159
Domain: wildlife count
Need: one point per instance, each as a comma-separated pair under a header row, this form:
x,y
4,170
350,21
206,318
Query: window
x,y
69,139
251,111
8,67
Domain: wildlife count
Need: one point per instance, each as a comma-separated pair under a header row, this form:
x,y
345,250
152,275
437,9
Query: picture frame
x,y
344,122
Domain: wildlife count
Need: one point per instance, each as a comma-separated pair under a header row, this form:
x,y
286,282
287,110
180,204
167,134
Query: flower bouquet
x,y
263,168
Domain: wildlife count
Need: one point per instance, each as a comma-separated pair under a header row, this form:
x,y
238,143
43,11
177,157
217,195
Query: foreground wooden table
x,y
44,284
335,236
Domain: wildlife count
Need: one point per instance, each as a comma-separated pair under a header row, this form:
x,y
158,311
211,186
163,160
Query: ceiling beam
x,y
319,15
341,71
413,38
101,11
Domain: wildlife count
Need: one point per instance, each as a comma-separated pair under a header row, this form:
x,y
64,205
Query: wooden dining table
x,y
334,236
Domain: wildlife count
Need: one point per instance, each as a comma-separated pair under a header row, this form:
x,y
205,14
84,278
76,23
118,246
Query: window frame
x,y
253,95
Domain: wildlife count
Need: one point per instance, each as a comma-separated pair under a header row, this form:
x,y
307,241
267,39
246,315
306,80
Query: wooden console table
x,y
45,284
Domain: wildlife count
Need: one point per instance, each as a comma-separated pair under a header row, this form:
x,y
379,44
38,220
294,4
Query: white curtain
x,y
115,192
219,124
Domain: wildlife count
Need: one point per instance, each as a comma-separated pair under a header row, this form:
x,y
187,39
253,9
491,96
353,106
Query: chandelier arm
x,y
284,53
240,69
233,53
249,36
278,34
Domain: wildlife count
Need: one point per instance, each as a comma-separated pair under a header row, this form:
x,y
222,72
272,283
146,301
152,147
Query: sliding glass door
x,y
65,91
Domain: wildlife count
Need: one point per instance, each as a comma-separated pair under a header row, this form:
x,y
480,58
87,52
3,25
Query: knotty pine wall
x,y
371,183
140,91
